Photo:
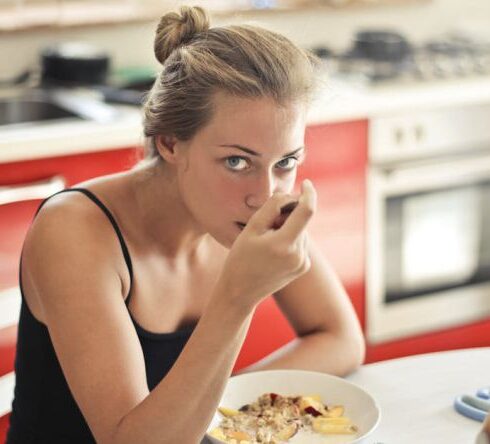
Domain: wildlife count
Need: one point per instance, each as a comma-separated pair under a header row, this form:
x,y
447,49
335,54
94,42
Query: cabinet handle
x,y
32,191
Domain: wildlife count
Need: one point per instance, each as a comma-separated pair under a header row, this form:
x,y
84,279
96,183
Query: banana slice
x,y
334,426
308,401
218,434
225,411
334,411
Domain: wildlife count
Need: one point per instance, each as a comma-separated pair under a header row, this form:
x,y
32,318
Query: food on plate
x,y
274,419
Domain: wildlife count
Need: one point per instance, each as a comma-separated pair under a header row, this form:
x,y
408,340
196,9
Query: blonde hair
x,y
198,61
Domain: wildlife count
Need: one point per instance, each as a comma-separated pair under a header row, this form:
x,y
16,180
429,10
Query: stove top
x,y
388,60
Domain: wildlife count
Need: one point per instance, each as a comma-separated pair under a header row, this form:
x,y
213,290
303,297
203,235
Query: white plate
x,y
359,405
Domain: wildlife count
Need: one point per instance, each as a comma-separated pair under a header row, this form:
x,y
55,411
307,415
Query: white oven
x,y
428,251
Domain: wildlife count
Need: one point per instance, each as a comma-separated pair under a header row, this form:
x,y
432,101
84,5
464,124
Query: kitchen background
x,y
398,139
128,42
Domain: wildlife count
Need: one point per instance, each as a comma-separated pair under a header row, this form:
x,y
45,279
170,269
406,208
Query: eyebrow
x,y
254,153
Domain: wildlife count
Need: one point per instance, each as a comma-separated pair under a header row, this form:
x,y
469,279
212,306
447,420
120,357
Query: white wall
x,y
131,44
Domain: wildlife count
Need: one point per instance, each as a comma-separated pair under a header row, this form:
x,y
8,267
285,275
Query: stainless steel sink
x,y
56,105
20,110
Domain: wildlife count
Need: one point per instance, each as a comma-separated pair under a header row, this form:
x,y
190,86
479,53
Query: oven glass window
x,y
437,240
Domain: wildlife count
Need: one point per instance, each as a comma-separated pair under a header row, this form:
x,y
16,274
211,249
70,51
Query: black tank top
x,y
44,410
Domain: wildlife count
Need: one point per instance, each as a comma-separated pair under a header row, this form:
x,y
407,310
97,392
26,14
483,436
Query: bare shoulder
x,y
73,266
69,237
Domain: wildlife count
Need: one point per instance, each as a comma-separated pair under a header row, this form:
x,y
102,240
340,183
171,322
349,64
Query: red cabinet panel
x,y
8,338
4,424
474,335
335,149
336,163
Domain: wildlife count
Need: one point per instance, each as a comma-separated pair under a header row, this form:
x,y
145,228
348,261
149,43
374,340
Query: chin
x,y
224,239
227,243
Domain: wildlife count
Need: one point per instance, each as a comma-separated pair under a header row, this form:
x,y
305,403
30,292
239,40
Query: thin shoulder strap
x,y
114,224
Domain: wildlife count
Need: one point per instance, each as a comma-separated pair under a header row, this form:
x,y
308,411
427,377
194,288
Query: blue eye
x,y
286,165
236,163
239,163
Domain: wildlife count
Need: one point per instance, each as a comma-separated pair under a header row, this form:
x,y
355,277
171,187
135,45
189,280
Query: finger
x,y
265,216
306,253
298,219
303,242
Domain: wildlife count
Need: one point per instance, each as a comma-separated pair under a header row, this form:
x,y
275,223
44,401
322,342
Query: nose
x,y
263,188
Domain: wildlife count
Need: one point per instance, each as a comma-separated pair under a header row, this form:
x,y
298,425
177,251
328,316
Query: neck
x,y
164,219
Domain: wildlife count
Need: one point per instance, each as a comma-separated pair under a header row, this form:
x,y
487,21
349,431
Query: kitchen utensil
x,y
474,407
381,45
72,63
128,85
483,393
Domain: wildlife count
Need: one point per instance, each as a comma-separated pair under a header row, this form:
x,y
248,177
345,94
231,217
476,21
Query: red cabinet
x,y
336,162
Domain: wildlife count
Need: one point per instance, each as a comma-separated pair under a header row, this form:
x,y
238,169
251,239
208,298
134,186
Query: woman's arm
x,y
181,407
70,269
329,338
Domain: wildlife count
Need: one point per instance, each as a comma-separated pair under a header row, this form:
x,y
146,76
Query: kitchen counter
x,y
336,102
70,136
342,102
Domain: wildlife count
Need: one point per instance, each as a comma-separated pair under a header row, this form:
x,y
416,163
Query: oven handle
x,y
31,191
408,179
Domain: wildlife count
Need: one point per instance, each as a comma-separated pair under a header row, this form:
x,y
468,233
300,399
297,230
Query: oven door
x,y
428,264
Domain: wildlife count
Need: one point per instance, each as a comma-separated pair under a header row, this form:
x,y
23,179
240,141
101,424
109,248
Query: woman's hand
x,y
264,259
486,427
484,436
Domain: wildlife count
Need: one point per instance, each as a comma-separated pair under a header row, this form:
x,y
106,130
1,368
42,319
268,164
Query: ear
x,y
166,147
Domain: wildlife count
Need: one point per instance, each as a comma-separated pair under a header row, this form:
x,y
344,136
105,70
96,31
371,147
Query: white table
x,y
416,395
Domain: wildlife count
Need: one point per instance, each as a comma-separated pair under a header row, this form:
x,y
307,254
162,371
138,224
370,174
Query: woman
x,y
138,288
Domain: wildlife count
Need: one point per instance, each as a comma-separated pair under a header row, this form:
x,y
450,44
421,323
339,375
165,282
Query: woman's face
x,y
250,149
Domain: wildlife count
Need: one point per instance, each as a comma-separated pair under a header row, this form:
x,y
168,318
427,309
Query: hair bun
x,y
177,28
